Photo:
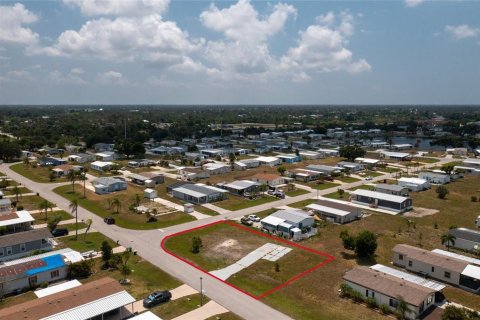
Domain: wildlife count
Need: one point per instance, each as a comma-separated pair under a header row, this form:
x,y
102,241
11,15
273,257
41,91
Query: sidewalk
x,y
197,215
215,208
64,222
208,310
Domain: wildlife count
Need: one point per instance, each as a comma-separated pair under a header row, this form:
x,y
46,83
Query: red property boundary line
x,y
236,225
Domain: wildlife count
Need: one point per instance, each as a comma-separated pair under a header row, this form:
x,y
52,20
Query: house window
x,y
55,274
429,299
9,251
400,257
409,263
433,269
373,294
23,247
1,252
366,293
447,275
393,303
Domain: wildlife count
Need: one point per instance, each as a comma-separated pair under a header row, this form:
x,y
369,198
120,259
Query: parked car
x,y
59,232
368,178
246,221
254,218
270,192
109,220
279,195
156,297
328,178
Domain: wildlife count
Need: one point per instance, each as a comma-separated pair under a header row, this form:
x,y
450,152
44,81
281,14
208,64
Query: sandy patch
x,y
418,212
227,244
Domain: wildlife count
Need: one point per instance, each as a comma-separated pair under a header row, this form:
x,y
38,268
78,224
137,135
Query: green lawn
x,y
38,174
296,192
302,204
29,202
336,195
373,174
93,241
237,203
323,186
124,218
10,192
389,169
40,217
207,211
225,316
347,179
71,227
175,308
425,159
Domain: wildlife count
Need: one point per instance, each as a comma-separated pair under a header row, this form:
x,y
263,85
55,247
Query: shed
x,y
150,193
188,208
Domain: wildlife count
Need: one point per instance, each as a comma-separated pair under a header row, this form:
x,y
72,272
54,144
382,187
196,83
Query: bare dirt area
x,y
231,249
418,212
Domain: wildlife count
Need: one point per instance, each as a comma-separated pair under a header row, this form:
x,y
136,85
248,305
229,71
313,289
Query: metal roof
x,y
295,216
241,184
467,234
329,210
57,288
274,221
457,256
472,271
196,190
409,277
94,308
392,187
22,217
417,181
379,195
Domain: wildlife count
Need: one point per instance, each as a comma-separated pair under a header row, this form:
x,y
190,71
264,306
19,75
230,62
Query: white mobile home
x,y
269,161
435,177
334,211
465,239
414,184
380,200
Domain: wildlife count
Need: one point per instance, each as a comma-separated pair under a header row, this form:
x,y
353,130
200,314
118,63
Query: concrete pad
x,y
210,309
182,291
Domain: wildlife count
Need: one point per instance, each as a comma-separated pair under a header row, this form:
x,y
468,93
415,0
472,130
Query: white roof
x,y
472,161
379,195
267,159
367,160
146,316
413,180
213,166
241,184
274,221
472,271
287,156
148,190
212,188
101,163
327,150
457,256
23,216
333,211
57,288
309,153
437,286
396,154
95,308
241,164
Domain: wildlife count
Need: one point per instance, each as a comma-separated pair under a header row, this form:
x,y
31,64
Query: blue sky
x,y
239,52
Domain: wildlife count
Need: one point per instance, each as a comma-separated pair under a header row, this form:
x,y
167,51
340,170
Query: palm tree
x,y
16,191
137,200
448,240
117,204
74,209
45,205
72,177
84,178
88,222
26,162
402,308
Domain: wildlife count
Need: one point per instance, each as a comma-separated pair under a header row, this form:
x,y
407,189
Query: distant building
x,y
435,177
351,166
326,170
334,211
241,187
101,166
470,166
399,156
414,184
380,200
272,180
198,193
392,189
289,158
465,239
269,161
105,185
216,168
81,157
290,223
304,175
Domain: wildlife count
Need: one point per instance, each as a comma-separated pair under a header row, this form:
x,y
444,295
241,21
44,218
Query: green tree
x,y
231,157
53,223
117,204
124,267
196,245
281,170
79,270
351,152
17,192
88,223
365,244
442,192
74,210
340,192
107,253
347,240
448,168
448,240
402,309
263,188
72,177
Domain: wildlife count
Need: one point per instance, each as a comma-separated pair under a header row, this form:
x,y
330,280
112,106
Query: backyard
x,y
103,206
237,203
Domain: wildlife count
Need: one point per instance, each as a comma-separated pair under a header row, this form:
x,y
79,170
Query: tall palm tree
x,y
74,210
72,177
448,240
84,178
45,205
117,204
16,191
26,162
88,222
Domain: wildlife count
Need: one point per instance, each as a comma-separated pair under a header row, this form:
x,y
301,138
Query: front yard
x,y
102,205
237,203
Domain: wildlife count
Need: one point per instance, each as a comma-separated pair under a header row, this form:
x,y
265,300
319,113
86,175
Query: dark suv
x,y
59,232
109,220
156,298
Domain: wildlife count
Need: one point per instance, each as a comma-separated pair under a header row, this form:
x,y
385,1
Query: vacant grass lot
x,y
175,308
302,204
92,241
204,210
347,179
99,205
323,186
237,203
40,217
224,244
38,174
296,192
29,202
225,316
425,160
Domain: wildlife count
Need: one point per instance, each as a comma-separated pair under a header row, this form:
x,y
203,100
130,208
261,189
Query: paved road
x,y
147,244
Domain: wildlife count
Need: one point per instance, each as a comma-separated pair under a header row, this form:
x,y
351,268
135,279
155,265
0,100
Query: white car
x,y
368,178
254,218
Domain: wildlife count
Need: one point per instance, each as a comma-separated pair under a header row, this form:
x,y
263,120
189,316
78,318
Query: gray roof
x,y
315,167
5,201
241,184
391,187
106,181
138,177
24,237
467,234
294,216
196,190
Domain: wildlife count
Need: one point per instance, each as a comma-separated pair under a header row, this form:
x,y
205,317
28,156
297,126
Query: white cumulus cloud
x,y
12,21
111,78
462,31
413,3
119,7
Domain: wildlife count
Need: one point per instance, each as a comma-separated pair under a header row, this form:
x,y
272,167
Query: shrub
x,y
385,309
345,290
347,240
19,208
80,269
365,244
357,296
442,192
474,198
43,285
196,245
371,303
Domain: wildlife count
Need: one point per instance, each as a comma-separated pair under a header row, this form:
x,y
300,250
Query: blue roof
x,y
51,263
